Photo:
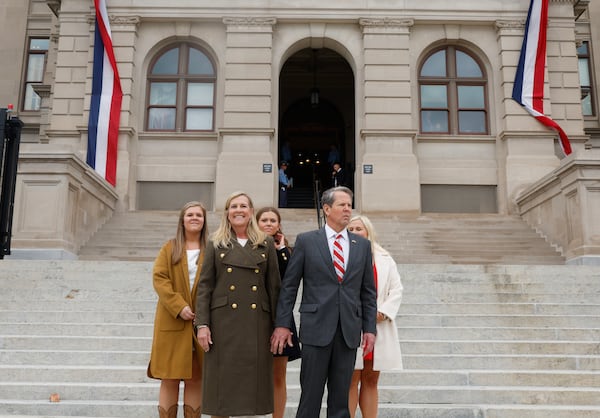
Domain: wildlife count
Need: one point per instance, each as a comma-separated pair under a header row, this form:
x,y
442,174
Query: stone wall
x,y
564,207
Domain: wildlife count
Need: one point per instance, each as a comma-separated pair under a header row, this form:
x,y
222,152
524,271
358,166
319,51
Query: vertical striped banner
x,y
105,106
528,89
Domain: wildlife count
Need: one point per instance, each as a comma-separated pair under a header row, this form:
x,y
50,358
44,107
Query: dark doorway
x,y
316,126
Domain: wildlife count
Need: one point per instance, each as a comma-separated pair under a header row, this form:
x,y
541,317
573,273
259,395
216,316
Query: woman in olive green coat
x,y
237,297
176,354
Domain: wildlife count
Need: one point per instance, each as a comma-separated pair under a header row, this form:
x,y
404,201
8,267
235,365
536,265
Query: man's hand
x,y
204,338
281,338
368,342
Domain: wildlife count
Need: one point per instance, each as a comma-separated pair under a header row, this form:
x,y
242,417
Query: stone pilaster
x,y
124,31
526,148
246,139
388,175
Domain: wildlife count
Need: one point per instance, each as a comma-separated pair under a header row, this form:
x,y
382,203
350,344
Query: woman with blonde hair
x,y
176,354
386,354
237,298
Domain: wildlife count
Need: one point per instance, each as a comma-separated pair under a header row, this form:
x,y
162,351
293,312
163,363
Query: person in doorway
x,y
176,354
333,156
386,355
236,302
284,184
269,221
338,176
338,303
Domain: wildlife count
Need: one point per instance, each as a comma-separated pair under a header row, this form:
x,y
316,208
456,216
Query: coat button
x,y
257,271
264,256
254,288
234,306
253,306
232,287
229,269
222,255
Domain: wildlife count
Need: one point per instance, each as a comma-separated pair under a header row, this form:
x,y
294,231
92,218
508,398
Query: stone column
x,y
246,138
388,175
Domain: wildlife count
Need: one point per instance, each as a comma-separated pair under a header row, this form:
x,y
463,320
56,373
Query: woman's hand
x,y
381,317
186,314
279,240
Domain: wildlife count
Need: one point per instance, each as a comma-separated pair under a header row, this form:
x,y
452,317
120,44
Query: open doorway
x,y
316,121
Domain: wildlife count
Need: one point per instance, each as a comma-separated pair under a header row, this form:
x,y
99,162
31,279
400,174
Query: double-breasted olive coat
x,y
237,297
171,356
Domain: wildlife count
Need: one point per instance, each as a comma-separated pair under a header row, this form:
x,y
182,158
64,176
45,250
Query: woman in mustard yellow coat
x,y
176,354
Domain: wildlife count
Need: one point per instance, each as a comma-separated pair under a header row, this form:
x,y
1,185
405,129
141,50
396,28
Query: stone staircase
x,y
478,341
428,238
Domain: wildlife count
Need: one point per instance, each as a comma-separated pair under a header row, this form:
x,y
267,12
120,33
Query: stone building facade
x,y
414,97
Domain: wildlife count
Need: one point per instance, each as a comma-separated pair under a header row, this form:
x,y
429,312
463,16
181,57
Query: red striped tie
x,y
338,258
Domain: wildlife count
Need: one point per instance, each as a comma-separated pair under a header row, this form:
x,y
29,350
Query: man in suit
x,y
338,303
338,176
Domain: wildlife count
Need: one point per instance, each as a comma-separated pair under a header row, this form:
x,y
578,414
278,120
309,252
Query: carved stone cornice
x,y
125,20
249,21
389,22
510,24
118,20
386,25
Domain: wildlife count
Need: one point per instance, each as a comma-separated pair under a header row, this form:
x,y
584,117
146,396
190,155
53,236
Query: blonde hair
x,y
371,235
224,233
179,240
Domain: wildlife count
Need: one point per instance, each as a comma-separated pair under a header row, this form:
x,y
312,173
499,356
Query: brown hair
x,y
277,213
179,240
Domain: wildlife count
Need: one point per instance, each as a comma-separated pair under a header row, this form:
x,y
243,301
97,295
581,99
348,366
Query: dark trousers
x,y
282,197
332,364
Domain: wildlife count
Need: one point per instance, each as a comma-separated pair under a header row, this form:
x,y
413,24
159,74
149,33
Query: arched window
x,y
452,93
181,90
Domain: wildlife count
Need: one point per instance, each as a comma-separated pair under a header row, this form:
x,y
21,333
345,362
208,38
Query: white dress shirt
x,y
331,234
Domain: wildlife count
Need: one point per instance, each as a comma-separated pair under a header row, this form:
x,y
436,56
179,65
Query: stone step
x,y
79,329
74,409
411,361
499,308
388,394
13,308
437,238
15,272
501,361
502,341
441,377
426,346
441,320
407,333
499,333
499,347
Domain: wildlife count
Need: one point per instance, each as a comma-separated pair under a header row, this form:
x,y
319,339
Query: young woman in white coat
x,y
386,354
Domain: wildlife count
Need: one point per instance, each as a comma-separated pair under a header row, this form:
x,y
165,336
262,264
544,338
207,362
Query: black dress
x,y
293,353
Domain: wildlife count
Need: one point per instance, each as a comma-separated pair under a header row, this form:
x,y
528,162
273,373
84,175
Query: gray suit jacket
x,y
325,301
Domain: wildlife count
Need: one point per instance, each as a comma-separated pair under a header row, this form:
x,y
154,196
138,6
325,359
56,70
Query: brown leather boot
x,y
171,413
189,412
